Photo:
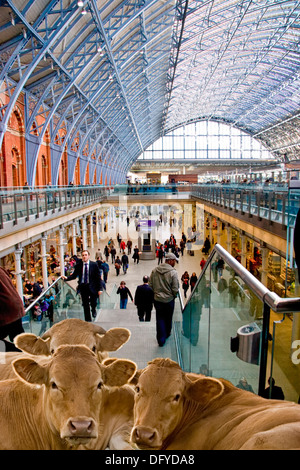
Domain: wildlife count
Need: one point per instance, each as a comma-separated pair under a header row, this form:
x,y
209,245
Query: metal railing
x,y
225,302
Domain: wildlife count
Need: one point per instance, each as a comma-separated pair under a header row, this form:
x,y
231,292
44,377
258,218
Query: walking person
x,y
160,254
206,246
165,284
113,253
125,263
124,294
202,263
106,252
185,282
143,299
89,283
117,265
193,280
136,255
129,246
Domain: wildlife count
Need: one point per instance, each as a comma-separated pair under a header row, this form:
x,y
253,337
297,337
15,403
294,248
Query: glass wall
x,y
220,332
206,140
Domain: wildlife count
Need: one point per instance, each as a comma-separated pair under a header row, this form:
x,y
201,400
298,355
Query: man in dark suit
x,y
143,299
89,283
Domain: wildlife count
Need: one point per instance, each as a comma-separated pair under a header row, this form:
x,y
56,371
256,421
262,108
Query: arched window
x,y
16,163
206,140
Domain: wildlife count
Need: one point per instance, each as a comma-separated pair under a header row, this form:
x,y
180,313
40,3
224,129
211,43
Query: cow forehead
x,y
73,337
163,379
71,363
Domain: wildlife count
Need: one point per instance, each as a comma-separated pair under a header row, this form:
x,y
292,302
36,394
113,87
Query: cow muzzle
x,y
146,438
80,431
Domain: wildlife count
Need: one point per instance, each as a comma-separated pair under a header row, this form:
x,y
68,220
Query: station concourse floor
x,y
142,346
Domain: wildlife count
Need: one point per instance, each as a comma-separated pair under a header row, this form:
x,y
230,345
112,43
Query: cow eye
x,y
99,386
177,397
137,389
94,349
53,386
52,351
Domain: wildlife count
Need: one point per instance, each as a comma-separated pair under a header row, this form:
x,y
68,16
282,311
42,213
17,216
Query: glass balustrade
x,y
235,328
57,303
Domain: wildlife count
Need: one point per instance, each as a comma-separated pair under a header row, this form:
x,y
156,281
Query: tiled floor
x,y
142,347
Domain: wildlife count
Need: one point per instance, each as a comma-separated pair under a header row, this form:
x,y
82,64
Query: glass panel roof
x,y
117,75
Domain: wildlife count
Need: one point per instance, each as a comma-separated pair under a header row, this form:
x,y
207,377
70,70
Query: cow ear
x,y
30,371
33,344
204,390
118,373
113,339
134,380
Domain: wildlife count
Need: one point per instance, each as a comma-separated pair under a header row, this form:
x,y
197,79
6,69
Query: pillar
x,y
18,271
98,225
228,239
84,233
243,250
219,231
91,230
264,265
74,246
61,251
44,261
211,234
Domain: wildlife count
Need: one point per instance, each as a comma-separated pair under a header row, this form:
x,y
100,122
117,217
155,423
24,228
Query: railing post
x,y
1,213
264,350
27,206
15,209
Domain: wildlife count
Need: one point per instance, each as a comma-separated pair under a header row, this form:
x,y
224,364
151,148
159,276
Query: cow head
x,y
73,381
163,395
73,331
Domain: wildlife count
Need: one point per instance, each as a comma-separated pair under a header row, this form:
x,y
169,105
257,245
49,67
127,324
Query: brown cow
x,y
174,411
73,331
70,331
58,405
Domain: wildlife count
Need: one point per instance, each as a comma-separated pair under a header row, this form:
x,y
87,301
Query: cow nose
x,y
81,428
145,436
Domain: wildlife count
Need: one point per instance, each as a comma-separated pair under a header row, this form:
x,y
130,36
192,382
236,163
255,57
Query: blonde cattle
x,y
175,410
70,331
73,331
58,405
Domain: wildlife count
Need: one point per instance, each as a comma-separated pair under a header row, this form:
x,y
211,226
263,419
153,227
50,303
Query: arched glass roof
x,y
115,75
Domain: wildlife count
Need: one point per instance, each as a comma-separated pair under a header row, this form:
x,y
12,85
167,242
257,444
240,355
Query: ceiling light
x,y
84,12
80,3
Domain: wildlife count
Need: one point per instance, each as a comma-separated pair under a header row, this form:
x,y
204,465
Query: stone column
x,y
229,239
244,250
264,265
74,247
84,233
219,231
98,225
18,270
61,251
91,230
44,261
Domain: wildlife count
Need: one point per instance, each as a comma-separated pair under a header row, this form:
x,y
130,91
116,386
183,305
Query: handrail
x,y
276,303
41,295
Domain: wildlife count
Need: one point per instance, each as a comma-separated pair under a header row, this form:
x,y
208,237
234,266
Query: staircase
x,y
142,345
